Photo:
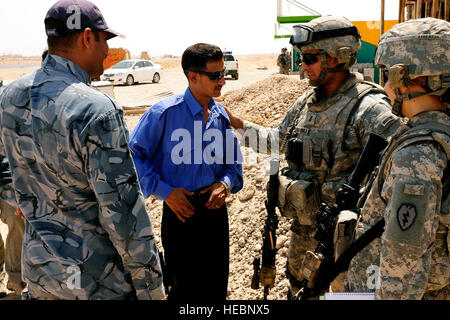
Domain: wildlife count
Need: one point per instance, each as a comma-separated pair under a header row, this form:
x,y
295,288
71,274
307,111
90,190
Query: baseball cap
x,y
71,16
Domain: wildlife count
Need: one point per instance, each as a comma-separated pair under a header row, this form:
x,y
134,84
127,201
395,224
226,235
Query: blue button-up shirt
x,y
174,148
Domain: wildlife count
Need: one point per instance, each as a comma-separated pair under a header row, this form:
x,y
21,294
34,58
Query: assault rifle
x,y
266,274
319,268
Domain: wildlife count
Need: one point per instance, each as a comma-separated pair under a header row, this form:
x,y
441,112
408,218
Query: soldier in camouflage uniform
x,y
284,62
87,233
409,190
324,132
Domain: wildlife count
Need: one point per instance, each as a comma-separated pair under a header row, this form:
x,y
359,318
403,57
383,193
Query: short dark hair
x,y
67,41
196,56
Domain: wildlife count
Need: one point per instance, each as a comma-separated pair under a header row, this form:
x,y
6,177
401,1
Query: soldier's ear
x,y
332,62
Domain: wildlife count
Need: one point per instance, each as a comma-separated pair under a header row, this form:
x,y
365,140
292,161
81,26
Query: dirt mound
x,y
265,102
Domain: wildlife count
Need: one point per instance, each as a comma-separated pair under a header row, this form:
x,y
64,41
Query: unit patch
x,y
406,215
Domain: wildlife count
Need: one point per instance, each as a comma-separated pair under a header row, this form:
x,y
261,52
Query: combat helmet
x,y
412,49
335,36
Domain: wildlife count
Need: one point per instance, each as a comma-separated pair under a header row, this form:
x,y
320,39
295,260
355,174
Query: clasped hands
x,y
183,209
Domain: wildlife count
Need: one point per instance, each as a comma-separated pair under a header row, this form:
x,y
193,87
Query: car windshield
x,y
228,58
123,65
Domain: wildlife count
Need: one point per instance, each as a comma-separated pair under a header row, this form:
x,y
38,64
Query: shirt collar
x,y
429,116
61,64
193,104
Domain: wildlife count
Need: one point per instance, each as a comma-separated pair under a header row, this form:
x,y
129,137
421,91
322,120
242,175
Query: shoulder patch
x,y
406,215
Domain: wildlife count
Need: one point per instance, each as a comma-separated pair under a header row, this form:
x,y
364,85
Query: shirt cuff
x,y
227,180
162,190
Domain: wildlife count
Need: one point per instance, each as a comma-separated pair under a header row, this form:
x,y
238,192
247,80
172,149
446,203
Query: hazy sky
x,y
169,26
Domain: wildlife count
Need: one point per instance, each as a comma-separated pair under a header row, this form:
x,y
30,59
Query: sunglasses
x,y
309,58
214,76
385,75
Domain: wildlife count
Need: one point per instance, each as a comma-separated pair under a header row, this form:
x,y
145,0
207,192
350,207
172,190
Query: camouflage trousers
x,y
301,239
284,70
11,253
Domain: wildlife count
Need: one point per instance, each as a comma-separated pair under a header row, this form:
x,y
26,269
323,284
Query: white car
x,y
132,71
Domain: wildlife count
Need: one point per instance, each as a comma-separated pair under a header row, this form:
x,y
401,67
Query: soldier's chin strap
x,y
399,98
326,70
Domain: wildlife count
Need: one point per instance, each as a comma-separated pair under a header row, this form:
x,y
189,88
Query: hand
x,y
235,122
217,197
179,204
19,213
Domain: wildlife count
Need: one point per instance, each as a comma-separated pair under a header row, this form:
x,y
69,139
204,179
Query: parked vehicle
x,y
130,72
231,65
115,55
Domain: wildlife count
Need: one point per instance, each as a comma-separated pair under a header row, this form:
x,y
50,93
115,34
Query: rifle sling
x,y
343,262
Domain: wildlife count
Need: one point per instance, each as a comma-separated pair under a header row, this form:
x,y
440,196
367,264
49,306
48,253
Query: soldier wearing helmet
x,y
410,187
323,132
284,61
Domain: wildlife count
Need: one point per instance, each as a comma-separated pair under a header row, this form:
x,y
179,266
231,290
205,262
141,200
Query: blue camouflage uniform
x,y
88,235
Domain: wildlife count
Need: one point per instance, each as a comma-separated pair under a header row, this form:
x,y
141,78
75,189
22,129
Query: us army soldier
x,y
284,61
325,130
410,189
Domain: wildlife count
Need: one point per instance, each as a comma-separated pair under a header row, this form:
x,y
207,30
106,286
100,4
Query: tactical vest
x,y
325,156
423,132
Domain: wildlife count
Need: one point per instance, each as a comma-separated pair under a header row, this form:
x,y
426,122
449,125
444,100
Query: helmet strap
x,y
323,73
399,98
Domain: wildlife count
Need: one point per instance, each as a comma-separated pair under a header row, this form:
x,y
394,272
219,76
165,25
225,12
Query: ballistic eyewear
x,y
214,76
309,58
304,35
385,75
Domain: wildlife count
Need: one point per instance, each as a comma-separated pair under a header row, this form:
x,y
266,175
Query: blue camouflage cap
x,y
71,16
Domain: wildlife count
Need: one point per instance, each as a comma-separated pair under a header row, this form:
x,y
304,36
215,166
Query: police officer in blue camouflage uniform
x,y
87,233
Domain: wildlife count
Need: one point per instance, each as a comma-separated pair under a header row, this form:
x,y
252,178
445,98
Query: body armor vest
x,y
329,152
423,132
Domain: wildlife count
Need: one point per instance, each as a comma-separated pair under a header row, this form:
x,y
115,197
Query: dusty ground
x,y
259,96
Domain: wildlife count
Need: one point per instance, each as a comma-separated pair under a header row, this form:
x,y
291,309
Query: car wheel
x,y
130,80
236,76
156,77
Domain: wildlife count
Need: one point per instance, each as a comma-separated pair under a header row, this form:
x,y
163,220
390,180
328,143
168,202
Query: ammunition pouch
x,y
310,267
344,233
298,199
294,151
317,151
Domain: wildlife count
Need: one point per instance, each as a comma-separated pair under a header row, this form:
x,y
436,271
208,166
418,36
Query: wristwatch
x,y
227,188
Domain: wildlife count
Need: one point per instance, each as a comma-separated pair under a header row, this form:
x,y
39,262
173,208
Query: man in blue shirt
x,y
187,155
